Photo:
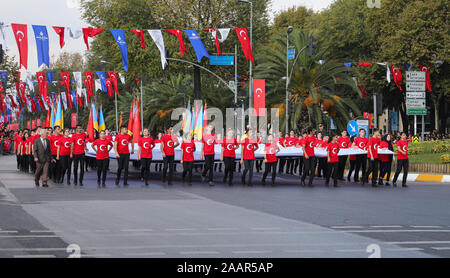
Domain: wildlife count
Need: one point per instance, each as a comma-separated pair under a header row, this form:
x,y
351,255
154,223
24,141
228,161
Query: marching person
x,y
332,160
361,143
30,157
352,160
372,156
259,162
344,143
144,153
23,150
17,139
78,154
290,141
322,161
308,156
248,149
280,140
122,150
270,159
187,157
228,156
63,155
402,160
55,166
156,141
385,159
102,147
208,141
42,156
168,144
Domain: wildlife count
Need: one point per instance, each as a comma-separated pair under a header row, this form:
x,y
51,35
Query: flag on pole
x,y
205,117
130,119
101,120
21,35
94,117
137,123
90,126
119,36
42,45
89,33
59,118
188,118
245,43
178,34
199,48
199,125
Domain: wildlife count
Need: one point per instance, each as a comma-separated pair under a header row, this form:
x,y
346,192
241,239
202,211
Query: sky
x,y
66,13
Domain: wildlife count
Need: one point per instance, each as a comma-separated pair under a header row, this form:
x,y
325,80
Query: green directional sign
x,y
416,111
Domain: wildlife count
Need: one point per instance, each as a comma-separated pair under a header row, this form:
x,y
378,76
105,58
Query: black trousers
x,y
352,168
32,163
310,164
79,159
282,163
248,164
168,165
259,164
322,167
361,163
209,166
270,167
229,168
402,164
55,169
123,163
373,168
65,162
385,170
341,166
187,170
301,166
145,168
332,172
290,166
102,169
18,161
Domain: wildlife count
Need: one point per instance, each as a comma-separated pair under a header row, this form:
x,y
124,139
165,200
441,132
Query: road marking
x,y
266,228
346,227
251,252
44,231
351,250
405,249
5,231
136,230
27,236
180,229
146,254
387,226
34,256
397,231
222,229
440,248
417,242
95,255
426,227
198,252
303,251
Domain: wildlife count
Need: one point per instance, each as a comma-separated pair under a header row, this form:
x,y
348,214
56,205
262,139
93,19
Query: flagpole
x,y
142,109
117,125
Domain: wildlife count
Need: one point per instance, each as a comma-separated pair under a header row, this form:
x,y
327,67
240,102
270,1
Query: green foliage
x,y
445,158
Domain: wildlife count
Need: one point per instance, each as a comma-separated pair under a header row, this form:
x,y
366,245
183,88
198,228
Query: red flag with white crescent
x,y
113,77
60,32
140,34
427,77
21,35
245,43
259,96
89,33
89,82
397,77
109,86
178,34
65,80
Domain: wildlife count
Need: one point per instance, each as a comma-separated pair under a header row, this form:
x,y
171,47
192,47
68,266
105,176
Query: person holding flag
x,y
77,153
361,159
121,148
63,155
372,155
168,144
102,147
146,145
208,142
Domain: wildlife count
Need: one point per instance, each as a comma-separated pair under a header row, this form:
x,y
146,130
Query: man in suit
x,y
42,156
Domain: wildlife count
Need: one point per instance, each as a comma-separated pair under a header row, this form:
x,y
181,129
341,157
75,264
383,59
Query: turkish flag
x,y
41,81
397,77
38,122
364,64
21,35
65,80
178,34
60,32
113,77
364,94
89,33
140,34
109,86
259,96
427,77
74,119
245,43
89,83
216,38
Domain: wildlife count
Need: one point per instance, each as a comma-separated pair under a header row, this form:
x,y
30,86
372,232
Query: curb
x,y
420,177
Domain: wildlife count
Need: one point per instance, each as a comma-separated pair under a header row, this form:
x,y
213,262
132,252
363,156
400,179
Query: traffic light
x,y
312,46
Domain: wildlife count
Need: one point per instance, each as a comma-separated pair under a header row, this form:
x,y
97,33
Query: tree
x,y
298,17
67,61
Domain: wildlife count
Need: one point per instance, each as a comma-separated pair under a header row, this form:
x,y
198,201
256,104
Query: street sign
x,y
364,124
415,76
352,128
415,95
231,84
415,103
291,53
394,120
414,111
412,86
221,60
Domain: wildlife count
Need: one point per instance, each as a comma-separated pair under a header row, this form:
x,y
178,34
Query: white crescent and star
x,y
334,150
146,145
249,146
170,144
361,145
311,144
18,37
187,149
228,147
123,142
102,149
66,145
209,142
78,142
243,36
404,148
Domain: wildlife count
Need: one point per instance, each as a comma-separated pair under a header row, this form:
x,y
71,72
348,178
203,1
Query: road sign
x,y
415,76
414,111
291,53
352,128
415,103
231,84
364,124
415,139
394,120
415,95
221,60
412,86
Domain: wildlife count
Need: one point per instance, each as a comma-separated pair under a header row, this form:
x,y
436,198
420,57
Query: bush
x,y
441,147
416,150
445,158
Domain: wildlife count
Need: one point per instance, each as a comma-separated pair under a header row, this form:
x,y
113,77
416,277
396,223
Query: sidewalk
x,y
418,177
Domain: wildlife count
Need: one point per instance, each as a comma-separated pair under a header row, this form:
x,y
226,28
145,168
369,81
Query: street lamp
x,y
288,31
115,96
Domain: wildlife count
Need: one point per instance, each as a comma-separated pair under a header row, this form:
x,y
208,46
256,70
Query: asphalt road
x,y
220,221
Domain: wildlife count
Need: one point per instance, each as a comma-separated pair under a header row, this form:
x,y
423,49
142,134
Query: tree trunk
x,y
436,114
197,83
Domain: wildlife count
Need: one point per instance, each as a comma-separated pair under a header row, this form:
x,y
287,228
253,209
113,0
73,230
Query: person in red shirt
x,y
259,162
158,166
402,160
361,143
228,156
102,147
187,157
30,150
63,155
248,149
108,135
332,160
17,138
309,158
78,154
146,145
23,150
372,155
352,160
322,164
121,148
169,142
290,141
344,143
280,140
55,165
270,159
208,141
385,159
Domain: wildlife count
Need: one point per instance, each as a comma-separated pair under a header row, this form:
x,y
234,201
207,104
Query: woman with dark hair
x,y
145,154
63,155
333,160
352,159
344,143
386,159
270,159
229,146
402,160
248,149
23,150
101,147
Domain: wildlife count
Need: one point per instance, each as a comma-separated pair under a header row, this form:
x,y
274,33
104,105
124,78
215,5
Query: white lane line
x,y
145,254
405,249
222,229
34,256
346,227
136,230
180,229
7,232
265,228
27,236
351,250
440,248
44,231
387,226
199,252
398,231
418,242
251,252
91,231
426,227
303,251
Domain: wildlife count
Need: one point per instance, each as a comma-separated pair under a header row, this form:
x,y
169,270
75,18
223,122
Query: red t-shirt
x,y
383,157
361,142
17,140
319,143
280,140
290,141
146,145
168,142
102,148
107,137
29,143
228,147
333,150
54,143
156,141
403,145
188,150
79,141
270,150
373,145
309,142
249,146
344,143
7,145
208,141
123,142
64,146
352,157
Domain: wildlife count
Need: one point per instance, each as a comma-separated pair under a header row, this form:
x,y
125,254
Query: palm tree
x,y
319,88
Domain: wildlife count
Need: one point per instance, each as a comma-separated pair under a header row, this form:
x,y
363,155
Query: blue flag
x,y
38,106
407,65
74,98
4,78
119,35
349,64
102,77
199,48
50,77
41,35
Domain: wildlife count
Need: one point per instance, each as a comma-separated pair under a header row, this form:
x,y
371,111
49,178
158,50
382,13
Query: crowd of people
x,y
54,154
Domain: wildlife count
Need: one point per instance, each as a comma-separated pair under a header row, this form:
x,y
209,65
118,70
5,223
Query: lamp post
x,y
288,31
115,96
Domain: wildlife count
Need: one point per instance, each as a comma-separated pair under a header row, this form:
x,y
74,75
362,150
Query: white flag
x,y
44,102
74,32
78,82
85,97
64,100
98,85
122,78
2,36
223,33
159,41
388,74
29,80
